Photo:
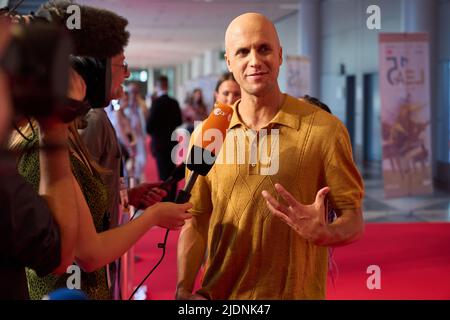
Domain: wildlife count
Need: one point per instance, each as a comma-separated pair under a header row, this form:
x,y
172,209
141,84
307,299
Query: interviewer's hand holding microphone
x,y
219,119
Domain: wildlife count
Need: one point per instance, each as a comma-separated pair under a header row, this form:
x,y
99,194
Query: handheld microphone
x,y
176,176
203,153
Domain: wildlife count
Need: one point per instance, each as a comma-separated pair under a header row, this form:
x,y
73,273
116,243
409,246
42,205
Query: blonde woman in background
x,y
195,110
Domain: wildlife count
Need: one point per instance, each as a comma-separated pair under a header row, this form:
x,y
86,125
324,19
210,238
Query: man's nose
x,y
254,59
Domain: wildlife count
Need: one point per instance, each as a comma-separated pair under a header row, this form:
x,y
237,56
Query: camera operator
x,y
37,230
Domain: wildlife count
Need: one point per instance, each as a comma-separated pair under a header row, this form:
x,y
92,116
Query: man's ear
x,y
228,62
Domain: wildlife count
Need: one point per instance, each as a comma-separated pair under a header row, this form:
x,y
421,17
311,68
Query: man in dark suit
x,y
164,118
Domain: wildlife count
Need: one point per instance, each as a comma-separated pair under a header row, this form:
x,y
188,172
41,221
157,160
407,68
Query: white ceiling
x,y
170,32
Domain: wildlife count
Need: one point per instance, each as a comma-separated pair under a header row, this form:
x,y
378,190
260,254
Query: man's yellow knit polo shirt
x,y
252,254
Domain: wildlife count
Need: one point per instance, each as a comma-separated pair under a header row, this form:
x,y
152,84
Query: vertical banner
x,y
405,114
298,76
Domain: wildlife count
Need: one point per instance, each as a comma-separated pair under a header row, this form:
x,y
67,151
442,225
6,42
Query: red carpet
x,y
162,283
414,260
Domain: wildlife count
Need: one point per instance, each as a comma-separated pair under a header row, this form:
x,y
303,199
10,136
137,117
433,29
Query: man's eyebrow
x,y
239,49
265,44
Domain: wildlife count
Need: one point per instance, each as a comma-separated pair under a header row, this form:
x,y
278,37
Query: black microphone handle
x,y
184,195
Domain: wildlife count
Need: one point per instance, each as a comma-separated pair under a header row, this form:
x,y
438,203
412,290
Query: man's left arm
x,y
310,222
346,191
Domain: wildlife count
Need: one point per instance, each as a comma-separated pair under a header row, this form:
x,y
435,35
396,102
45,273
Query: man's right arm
x,y
192,245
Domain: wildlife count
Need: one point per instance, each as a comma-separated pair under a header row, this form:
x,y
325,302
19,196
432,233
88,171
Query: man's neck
x,y
257,111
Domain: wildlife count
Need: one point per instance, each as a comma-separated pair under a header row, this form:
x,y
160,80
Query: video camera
x,y
36,63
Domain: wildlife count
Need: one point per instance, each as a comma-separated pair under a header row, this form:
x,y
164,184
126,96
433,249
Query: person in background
x,y
136,112
122,126
164,118
187,113
227,89
195,109
137,99
198,104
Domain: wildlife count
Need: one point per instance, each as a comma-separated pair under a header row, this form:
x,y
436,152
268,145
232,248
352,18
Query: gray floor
x,y
427,208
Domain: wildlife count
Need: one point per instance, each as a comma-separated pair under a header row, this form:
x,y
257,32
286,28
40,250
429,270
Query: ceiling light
x,y
143,76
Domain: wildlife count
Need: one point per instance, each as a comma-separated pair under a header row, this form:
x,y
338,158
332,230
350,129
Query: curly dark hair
x,y
102,33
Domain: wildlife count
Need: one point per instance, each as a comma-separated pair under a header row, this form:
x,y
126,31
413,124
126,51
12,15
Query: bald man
x,y
266,232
